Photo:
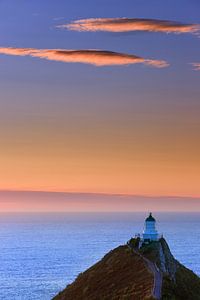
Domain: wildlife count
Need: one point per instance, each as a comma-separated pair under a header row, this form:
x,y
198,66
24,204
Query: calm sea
x,y
41,253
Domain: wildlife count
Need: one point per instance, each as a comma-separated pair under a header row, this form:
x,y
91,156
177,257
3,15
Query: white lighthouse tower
x,y
150,233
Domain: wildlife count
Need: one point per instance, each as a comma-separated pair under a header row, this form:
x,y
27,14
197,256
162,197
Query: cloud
x,y
127,25
93,57
29,201
196,66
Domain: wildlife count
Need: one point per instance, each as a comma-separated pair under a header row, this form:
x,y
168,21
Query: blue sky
x,y
77,127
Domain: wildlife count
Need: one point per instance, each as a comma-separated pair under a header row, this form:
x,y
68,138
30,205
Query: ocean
x,y
41,253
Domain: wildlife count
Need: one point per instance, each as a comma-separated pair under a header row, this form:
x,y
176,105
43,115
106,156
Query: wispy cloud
x,y
93,57
196,66
127,25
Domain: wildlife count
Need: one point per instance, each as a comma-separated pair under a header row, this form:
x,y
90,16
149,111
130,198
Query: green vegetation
x,y
151,251
134,242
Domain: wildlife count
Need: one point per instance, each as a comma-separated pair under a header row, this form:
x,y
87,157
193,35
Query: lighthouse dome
x,y
150,218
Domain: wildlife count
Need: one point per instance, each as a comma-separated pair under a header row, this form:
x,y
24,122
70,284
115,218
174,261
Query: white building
x,y
150,233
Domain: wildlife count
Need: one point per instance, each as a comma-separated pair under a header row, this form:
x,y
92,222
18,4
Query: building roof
x,y
150,218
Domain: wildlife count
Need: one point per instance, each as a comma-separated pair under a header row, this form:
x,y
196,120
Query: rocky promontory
x,y
135,272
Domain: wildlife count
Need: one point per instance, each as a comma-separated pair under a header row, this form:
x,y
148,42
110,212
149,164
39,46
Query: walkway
x,y
157,287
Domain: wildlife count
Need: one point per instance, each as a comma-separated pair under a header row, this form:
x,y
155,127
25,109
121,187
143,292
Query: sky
x,y
99,98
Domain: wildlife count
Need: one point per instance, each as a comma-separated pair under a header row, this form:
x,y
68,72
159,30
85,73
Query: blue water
x,y
41,253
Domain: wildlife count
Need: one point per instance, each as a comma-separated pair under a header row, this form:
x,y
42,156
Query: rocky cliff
x,y
128,272
178,282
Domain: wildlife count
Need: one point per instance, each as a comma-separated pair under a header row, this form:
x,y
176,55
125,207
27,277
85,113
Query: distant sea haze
x,y
85,202
41,253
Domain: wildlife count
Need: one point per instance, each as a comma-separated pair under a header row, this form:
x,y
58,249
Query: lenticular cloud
x,y
93,57
196,66
128,25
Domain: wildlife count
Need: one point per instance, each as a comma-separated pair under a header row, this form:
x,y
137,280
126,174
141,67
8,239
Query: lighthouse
x,y
150,233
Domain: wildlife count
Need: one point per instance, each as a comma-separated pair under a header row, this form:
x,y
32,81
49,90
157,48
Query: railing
x,y
138,235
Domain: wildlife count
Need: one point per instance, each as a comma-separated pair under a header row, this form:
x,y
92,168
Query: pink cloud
x,y
93,57
127,25
33,201
196,66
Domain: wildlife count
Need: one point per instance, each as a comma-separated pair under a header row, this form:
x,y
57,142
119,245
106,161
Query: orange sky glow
x,y
117,115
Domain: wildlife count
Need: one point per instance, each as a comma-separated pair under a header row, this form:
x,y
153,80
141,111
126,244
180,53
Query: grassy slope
x,y
186,286
119,275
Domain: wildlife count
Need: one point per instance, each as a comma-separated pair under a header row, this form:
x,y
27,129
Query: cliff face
x,y
160,254
179,283
127,273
